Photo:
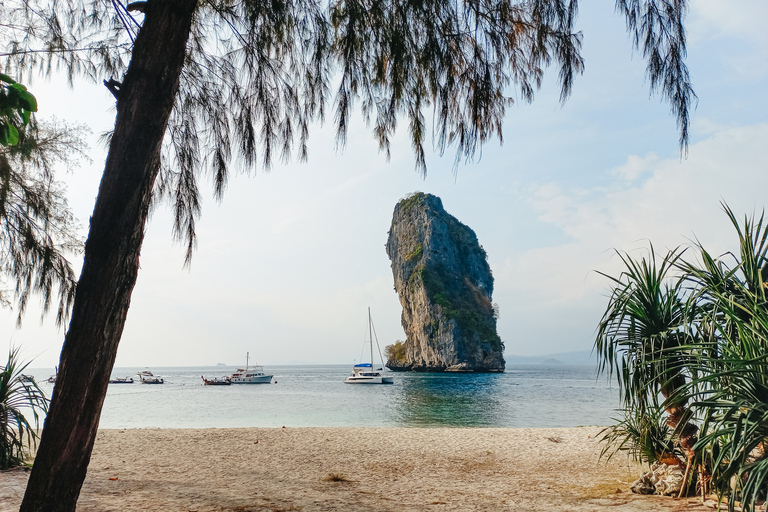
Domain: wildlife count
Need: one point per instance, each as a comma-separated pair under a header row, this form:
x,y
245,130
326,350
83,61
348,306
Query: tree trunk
x,y
145,102
675,411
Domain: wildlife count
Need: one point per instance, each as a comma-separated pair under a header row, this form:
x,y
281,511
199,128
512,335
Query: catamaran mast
x,y
370,334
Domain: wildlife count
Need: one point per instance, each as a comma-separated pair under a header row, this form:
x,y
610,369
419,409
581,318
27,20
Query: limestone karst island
x,y
445,286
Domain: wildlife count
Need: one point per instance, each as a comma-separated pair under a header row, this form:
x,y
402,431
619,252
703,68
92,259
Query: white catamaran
x,y
364,373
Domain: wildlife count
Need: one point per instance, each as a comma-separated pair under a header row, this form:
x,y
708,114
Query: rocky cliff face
x,y
445,285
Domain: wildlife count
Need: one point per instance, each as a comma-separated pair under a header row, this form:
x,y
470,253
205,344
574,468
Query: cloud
x,y
666,201
715,18
713,22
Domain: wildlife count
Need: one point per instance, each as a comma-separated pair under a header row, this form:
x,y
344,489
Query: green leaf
x,y
4,134
7,79
13,135
30,100
25,115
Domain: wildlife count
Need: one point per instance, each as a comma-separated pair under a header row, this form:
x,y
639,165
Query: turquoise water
x,y
306,396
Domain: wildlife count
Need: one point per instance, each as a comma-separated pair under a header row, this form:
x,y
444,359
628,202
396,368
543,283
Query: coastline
x,y
384,469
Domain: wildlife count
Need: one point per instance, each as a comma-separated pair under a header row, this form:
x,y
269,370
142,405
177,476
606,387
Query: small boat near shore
x,y
147,377
251,375
364,373
216,381
121,380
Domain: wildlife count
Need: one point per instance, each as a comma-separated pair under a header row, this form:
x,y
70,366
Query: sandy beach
x,y
380,469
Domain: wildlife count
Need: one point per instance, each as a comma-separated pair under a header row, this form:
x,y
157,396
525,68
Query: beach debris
x,y
662,479
555,439
643,485
113,478
335,477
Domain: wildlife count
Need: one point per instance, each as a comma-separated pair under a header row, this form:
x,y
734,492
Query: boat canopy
x,y
364,365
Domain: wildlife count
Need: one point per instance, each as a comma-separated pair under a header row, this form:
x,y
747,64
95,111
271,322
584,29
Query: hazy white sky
x,y
289,262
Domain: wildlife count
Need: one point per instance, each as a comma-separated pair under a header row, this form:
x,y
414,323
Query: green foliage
x,y
258,74
19,396
466,304
412,200
644,320
644,435
416,253
38,228
16,107
715,351
395,352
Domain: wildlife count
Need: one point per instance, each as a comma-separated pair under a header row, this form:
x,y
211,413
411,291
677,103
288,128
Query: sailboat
x,y
364,373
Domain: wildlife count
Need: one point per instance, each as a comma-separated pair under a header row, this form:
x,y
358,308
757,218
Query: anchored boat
x,y
364,373
251,375
147,377
216,381
121,380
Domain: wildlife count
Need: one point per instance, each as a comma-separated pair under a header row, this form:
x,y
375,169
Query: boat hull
x,y
369,380
261,379
224,381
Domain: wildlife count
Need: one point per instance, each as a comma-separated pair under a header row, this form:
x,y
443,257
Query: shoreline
x,y
376,468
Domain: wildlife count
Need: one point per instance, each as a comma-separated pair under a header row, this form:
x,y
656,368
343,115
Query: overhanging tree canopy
x,y
202,84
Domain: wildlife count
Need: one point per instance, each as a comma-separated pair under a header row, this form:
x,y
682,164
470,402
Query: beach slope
x,y
354,469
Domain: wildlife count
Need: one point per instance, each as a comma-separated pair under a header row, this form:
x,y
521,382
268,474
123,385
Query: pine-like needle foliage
x,y
657,29
38,229
258,73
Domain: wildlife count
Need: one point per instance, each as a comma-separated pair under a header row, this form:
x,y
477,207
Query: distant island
x,y
576,357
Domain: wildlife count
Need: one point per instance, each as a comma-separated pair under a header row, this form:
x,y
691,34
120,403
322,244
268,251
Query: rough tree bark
x,y
675,411
111,264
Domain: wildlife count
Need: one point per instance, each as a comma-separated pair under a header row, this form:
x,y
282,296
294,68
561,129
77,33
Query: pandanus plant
x,y
696,333
731,364
20,396
639,339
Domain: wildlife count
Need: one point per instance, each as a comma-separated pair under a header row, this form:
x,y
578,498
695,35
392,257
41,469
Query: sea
x,y
526,395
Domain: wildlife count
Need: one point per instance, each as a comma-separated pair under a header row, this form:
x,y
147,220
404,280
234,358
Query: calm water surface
x,y
309,396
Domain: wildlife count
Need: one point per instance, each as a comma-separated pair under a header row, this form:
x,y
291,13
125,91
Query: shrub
x,y
395,352
17,392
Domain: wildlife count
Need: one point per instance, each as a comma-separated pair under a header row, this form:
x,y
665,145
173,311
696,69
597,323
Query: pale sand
x,y
387,469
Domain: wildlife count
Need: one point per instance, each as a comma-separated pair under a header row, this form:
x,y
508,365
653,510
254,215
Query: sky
x,y
288,263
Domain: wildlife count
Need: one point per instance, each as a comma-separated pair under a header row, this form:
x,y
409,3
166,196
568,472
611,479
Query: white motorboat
x,y
147,377
365,373
251,375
